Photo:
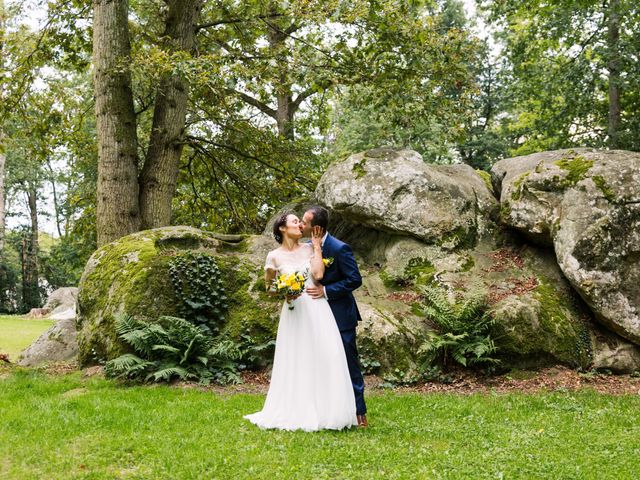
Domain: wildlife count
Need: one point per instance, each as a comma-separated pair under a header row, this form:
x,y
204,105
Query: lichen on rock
x,y
585,203
395,191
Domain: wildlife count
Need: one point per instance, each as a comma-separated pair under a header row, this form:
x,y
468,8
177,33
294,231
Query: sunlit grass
x,y
17,333
71,427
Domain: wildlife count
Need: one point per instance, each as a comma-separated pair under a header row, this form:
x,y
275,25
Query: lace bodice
x,y
284,261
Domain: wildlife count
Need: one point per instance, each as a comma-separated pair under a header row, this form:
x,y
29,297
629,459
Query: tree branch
x,y
228,21
264,108
302,181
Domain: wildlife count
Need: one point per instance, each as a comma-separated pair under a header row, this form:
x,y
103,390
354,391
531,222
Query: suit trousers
x,y
349,342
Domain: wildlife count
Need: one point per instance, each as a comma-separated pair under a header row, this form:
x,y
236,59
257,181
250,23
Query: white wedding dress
x,y
310,385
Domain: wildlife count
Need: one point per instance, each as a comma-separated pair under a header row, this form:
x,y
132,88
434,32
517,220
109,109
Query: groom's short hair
x,y
320,216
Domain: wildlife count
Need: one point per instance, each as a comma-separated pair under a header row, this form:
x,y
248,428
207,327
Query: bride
x,y
310,385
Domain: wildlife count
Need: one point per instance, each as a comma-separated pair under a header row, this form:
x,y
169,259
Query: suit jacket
x,y
340,279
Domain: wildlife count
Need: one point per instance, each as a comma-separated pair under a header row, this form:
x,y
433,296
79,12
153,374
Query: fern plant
x,y
464,330
172,348
197,282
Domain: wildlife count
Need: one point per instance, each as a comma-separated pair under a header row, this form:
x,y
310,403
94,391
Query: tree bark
x,y
30,273
160,172
613,65
286,109
2,137
3,160
56,206
118,213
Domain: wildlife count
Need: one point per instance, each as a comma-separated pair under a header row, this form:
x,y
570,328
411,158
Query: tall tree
x,y
613,65
118,211
3,157
160,171
128,201
30,251
420,85
572,65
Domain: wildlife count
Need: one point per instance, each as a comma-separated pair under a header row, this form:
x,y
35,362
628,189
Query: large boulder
x,y
57,344
540,321
395,191
414,225
131,275
62,300
586,204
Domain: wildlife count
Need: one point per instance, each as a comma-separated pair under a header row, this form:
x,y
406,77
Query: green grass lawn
x,y
69,427
17,333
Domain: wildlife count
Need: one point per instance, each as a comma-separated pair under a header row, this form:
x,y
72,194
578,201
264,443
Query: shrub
x,y
463,330
173,348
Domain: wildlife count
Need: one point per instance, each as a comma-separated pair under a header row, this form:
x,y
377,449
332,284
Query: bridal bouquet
x,y
289,284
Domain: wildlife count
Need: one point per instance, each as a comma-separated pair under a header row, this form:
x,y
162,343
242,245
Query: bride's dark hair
x,y
280,222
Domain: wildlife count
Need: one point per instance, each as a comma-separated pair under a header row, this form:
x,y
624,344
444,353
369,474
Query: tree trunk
x,y
613,65
2,137
284,114
30,274
160,172
118,212
56,206
3,159
286,109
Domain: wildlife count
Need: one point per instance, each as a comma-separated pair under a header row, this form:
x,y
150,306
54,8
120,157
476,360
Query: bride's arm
x,y
317,266
270,272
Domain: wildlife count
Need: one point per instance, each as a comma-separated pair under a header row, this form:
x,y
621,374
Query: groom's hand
x,y
316,291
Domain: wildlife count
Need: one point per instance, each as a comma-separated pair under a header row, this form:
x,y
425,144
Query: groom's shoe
x,y
362,421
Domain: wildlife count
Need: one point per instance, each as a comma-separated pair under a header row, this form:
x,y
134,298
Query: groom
x,y
341,278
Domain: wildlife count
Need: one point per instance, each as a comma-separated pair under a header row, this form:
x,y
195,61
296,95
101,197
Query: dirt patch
x,y
405,297
60,368
555,379
518,287
462,382
503,259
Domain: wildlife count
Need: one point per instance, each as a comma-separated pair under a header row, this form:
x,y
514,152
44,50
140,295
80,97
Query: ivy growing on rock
x,y
198,284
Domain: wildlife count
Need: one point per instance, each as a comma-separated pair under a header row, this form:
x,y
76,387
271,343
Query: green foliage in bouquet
x,y
197,282
464,330
173,348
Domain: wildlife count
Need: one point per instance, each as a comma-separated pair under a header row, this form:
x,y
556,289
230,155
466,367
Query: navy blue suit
x,y
340,279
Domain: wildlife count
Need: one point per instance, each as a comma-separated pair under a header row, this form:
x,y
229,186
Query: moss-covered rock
x,y
585,203
539,318
397,192
389,337
412,225
131,275
541,328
